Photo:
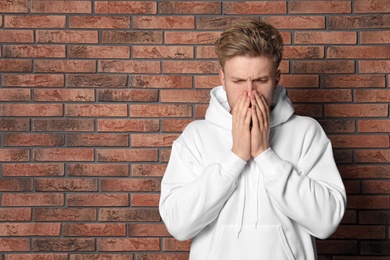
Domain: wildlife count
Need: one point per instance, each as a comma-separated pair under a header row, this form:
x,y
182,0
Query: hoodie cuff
x,y
232,165
267,161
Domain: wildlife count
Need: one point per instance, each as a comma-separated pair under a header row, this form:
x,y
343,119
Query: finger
x,y
255,116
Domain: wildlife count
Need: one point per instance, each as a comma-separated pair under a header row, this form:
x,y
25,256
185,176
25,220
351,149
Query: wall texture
x,y
94,92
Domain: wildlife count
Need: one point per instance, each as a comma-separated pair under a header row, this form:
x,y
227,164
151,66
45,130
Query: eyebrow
x,y
256,78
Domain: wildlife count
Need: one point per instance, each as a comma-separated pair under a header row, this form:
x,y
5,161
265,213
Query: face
x,y
244,73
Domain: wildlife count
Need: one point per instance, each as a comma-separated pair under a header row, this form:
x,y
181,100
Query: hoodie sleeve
x,y
313,196
192,195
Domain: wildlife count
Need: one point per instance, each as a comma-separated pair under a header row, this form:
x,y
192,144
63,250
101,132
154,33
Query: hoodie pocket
x,y
264,242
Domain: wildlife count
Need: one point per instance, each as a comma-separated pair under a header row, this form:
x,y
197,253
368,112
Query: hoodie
x,y
269,207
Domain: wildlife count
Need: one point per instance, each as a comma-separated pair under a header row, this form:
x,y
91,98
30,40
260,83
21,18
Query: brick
x,y
338,126
152,140
161,110
16,6
132,37
14,124
63,244
374,66
323,67
220,22
36,80
128,244
352,187
99,170
353,81
16,155
97,140
382,36
68,184
15,244
15,66
97,200
126,256
129,185
185,96
64,214
368,202
34,140
15,214
373,126
320,95
63,125
163,52
359,52
156,170
125,7
373,186
284,67
296,22
174,256
255,7
343,156
98,110
99,52
30,110
198,37
132,95
171,244
375,248
331,37
200,110
359,141
29,229
356,110
145,200
128,125
129,66
364,171
96,81
175,125
190,7
15,95
37,257
63,154
311,110
320,7
374,217
33,199
206,81
94,230
35,169
205,52
34,21
34,51
165,155
17,36
148,230
349,217
61,6
300,81
11,184
372,6
164,22
147,81
65,66
99,22
65,36
126,155
129,215
372,96
358,22
303,52
336,247
193,67
64,95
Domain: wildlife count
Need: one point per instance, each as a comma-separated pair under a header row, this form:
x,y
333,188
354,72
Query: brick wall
x,y
94,92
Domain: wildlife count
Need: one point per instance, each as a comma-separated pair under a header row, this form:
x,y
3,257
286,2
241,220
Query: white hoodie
x,y
270,207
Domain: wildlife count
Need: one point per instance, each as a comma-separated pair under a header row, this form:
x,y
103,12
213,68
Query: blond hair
x,y
253,38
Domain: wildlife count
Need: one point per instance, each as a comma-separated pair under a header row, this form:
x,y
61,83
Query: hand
x,y
260,124
241,127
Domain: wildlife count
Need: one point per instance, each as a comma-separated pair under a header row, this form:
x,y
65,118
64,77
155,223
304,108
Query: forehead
x,y
245,66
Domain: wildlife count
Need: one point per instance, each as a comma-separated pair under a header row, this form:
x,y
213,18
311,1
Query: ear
x,y
222,78
277,78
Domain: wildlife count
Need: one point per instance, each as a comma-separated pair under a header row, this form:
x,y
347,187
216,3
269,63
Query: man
x,y
252,180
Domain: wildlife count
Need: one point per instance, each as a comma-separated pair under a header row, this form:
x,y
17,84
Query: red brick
x,y
171,244
63,244
96,81
375,247
372,96
125,7
34,139
94,230
128,125
34,21
13,36
300,81
303,52
206,81
338,126
64,95
148,230
63,154
37,257
220,22
15,66
343,156
126,256
376,186
36,169
99,22
129,66
34,51
319,37
100,170
11,184
200,110
16,155
97,200
372,6
63,125
132,95
161,110
132,37
35,80
336,247
68,184
129,185
255,7
284,67
358,22
374,217
359,52
15,244
30,110
206,52
98,110
190,7
353,81
382,36
30,229
65,66
185,96
320,7
378,156
15,214
148,169
308,110
127,155
349,217
128,244
163,52
359,141
129,215
15,6
14,124
147,81
320,95
324,66
164,22
64,214
145,200
165,155
65,36
374,66
373,126
296,22
33,199
359,232
193,67
364,171
97,140
61,6
174,256
15,95
99,52
356,110
191,37
152,140
175,125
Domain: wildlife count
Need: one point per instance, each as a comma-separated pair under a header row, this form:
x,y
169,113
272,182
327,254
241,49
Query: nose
x,y
249,86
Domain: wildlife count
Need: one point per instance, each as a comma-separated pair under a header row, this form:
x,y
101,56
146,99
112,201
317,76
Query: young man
x,y
252,180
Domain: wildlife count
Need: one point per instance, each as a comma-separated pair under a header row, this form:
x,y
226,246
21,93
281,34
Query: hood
x,y
218,111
